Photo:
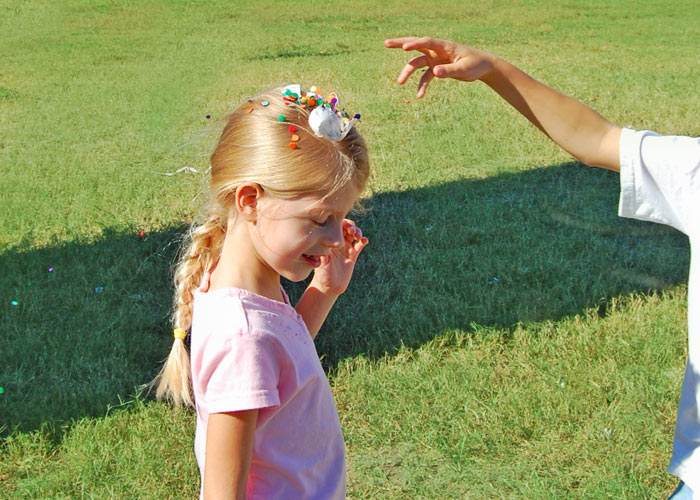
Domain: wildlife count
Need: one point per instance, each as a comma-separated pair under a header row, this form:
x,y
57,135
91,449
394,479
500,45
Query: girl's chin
x,y
296,276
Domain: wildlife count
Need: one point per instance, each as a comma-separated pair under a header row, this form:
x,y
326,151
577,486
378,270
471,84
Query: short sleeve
x,y
241,374
659,178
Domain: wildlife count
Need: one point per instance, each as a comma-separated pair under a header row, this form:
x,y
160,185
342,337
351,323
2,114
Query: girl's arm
x,y
571,124
331,278
229,452
314,307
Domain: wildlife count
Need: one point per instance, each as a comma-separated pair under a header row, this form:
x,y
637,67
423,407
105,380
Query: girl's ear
x,y
247,196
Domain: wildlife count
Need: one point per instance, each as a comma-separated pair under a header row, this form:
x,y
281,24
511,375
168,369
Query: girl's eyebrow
x,y
323,211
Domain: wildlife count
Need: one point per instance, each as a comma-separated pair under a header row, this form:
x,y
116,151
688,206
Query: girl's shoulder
x,y
238,312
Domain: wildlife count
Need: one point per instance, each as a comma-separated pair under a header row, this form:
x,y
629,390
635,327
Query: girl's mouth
x,y
312,260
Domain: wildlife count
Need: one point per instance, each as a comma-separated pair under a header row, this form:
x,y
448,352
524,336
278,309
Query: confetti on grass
x,y
189,170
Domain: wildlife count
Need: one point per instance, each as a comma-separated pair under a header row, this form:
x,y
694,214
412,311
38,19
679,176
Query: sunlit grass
x,y
505,336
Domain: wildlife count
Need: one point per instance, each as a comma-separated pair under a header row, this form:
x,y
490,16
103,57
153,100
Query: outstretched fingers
x,y
397,43
422,44
424,82
410,68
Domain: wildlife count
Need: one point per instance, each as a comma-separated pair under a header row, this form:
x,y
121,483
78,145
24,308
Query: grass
x,y
505,335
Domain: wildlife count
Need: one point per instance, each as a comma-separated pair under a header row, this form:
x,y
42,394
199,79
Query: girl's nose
x,y
333,237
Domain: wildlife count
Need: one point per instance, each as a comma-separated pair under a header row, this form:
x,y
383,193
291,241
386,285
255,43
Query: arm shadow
x,y
516,248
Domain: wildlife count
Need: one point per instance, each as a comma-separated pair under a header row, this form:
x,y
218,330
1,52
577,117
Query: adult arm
x,y
229,453
572,125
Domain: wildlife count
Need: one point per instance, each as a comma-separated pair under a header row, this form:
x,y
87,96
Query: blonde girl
x,y
288,168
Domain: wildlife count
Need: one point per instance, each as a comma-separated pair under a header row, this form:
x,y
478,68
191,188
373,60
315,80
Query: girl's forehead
x,y
341,201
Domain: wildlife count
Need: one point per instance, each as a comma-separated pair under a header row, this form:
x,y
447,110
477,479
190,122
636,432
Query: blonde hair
x,y
254,147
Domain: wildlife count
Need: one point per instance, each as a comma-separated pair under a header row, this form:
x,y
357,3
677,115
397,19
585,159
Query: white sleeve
x,y
660,178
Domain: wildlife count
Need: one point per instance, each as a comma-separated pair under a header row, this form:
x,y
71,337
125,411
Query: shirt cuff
x,y
241,402
630,150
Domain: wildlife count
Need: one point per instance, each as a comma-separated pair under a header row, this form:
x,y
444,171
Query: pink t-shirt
x,y
250,352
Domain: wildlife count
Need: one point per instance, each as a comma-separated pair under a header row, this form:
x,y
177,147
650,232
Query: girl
x,y
288,168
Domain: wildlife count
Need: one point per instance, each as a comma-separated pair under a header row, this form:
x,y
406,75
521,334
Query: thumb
x,y
446,70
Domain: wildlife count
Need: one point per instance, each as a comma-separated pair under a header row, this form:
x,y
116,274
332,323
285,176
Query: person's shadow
x,y
87,324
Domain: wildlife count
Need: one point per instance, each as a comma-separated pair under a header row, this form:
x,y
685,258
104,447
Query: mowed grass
x,y
505,335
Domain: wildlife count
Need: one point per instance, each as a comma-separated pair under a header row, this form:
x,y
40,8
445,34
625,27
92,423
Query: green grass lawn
x,y
506,335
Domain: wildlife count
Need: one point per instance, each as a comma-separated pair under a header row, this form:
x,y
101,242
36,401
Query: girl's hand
x,y
333,275
444,59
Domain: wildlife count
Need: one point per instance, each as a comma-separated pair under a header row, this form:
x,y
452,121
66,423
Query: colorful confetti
x,y
326,118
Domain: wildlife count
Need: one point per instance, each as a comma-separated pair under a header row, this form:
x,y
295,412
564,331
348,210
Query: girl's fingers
x,y
361,244
351,231
411,66
357,247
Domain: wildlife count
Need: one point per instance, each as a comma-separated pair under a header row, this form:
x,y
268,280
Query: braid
x,y
173,381
201,253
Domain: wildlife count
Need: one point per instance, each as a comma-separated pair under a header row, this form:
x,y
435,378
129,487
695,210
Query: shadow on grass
x,y
522,247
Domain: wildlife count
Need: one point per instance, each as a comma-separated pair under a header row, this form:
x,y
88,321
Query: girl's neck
x,y
239,266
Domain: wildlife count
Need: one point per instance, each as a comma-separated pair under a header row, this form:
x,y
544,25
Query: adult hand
x,y
443,59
